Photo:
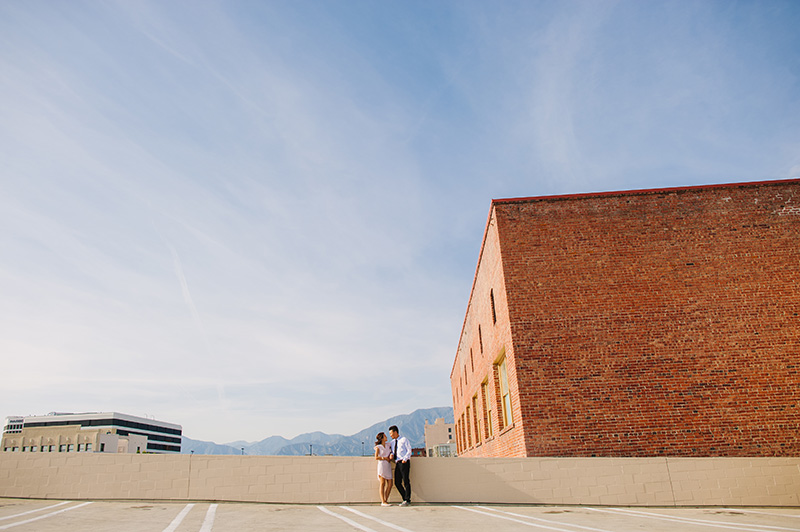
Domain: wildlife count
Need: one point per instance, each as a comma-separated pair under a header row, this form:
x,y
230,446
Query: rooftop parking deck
x,y
21,515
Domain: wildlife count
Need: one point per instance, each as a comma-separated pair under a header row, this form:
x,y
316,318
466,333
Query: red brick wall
x,y
645,324
470,371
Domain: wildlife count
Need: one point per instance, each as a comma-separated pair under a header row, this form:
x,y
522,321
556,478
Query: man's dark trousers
x,y
402,480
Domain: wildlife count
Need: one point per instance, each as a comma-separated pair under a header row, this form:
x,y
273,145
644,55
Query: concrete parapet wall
x,y
351,480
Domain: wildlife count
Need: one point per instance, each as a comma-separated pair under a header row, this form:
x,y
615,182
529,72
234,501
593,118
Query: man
x,y
401,453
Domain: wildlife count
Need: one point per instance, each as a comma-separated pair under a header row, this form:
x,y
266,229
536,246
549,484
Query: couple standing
x,y
399,452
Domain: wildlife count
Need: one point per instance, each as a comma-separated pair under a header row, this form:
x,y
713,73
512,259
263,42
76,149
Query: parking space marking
x,y
544,520
690,521
34,511
208,522
51,514
384,523
526,523
748,511
179,518
346,520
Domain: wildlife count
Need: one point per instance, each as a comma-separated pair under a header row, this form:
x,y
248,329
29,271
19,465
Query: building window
x,y
80,447
469,429
475,419
488,431
88,447
471,360
463,433
505,394
491,299
71,448
102,447
62,448
480,339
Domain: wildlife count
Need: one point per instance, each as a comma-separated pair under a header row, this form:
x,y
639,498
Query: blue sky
x,y
259,218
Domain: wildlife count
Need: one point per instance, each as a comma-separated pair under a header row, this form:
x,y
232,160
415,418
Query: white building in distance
x,y
440,439
96,432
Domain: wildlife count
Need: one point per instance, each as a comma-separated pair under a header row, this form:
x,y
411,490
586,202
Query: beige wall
x,y
326,480
56,436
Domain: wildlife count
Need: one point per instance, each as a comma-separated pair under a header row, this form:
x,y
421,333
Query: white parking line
x,y
384,523
545,520
346,520
527,523
208,522
34,511
177,521
51,514
742,510
699,522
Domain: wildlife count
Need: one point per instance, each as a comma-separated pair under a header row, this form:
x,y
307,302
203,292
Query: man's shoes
x,y
404,503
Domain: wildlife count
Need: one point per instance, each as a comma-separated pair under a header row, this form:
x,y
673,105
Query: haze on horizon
x,y
263,218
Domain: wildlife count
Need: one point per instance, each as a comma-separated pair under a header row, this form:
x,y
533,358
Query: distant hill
x,y
205,447
412,426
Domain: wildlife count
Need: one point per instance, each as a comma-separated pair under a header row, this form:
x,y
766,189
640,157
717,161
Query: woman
x,y
382,454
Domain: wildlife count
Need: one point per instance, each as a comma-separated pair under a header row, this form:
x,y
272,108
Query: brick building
x,y
641,323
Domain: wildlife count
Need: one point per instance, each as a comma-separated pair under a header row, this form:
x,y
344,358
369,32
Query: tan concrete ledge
x,y
352,480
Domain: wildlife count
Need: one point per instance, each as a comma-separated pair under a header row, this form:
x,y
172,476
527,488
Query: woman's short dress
x,y
384,466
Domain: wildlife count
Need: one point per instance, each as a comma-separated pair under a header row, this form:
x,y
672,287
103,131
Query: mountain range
x,y
412,426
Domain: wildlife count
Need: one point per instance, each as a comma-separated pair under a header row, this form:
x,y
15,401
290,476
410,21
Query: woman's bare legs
x,y
382,490
388,490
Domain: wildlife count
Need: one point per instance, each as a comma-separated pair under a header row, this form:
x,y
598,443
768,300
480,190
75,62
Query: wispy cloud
x,y
187,297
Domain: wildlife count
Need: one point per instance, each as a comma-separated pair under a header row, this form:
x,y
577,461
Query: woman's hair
x,y
379,438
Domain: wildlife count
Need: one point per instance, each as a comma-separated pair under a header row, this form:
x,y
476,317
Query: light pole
x,y
242,451
362,448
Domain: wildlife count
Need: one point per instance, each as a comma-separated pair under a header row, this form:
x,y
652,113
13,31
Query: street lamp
x,y
362,448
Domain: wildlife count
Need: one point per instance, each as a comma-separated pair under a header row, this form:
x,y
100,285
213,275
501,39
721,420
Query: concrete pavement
x,y
25,515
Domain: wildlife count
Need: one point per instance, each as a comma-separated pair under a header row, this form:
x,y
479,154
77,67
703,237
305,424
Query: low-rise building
x,y
443,450
440,438
103,432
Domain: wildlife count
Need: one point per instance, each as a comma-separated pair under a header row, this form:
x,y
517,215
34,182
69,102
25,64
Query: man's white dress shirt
x,y
402,449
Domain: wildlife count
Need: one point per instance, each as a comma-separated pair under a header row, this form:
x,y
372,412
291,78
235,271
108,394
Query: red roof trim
x,y
644,191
